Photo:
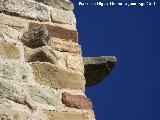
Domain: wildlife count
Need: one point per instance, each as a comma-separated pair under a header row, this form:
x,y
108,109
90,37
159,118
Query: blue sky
x,y
132,34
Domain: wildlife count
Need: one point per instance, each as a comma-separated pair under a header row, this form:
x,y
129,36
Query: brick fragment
x,y
76,101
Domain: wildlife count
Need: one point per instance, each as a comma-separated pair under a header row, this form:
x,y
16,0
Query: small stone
x,y
36,37
76,101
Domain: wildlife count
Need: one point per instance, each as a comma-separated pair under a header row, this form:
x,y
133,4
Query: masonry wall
x,y
41,65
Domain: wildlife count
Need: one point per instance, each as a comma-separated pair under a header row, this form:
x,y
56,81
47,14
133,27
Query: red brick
x,y
76,101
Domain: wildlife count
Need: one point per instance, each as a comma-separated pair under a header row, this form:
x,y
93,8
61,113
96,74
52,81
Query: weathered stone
x,y
65,46
10,32
59,4
62,59
43,95
56,77
68,115
58,31
14,70
14,22
11,49
25,8
62,16
14,111
11,90
36,37
97,68
76,101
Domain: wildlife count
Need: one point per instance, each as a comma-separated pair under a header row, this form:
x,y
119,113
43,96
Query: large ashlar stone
x,y
43,95
62,59
15,70
11,49
25,8
76,101
69,115
10,110
97,68
59,4
57,77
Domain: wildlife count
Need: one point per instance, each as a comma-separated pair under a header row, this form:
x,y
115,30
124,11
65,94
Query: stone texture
x,y
14,22
59,4
25,8
10,32
14,70
11,90
36,37
14,111
62,16
58,31
76,101
97,68
43,95
58,115
65,46
62,59
11,49
56,77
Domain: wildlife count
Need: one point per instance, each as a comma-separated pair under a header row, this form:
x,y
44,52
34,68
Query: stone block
x,y
12,110
76,101
59,4
97,68
68,115
58,31
62,16
15,70
65,46
56,77
25,8
11,49
11,90
43,95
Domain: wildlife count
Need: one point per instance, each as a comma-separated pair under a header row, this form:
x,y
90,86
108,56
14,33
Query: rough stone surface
x,y
42,94
76,101
54,115
97,68
14,70
36,37
11,49
59,4
65,46
62,59
14,22
11,90
56,77
11,110
62,16
25,8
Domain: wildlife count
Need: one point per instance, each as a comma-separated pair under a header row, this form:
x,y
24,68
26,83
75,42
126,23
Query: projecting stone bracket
x,y
97,68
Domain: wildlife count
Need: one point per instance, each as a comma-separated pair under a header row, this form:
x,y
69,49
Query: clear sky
x,y
132,34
